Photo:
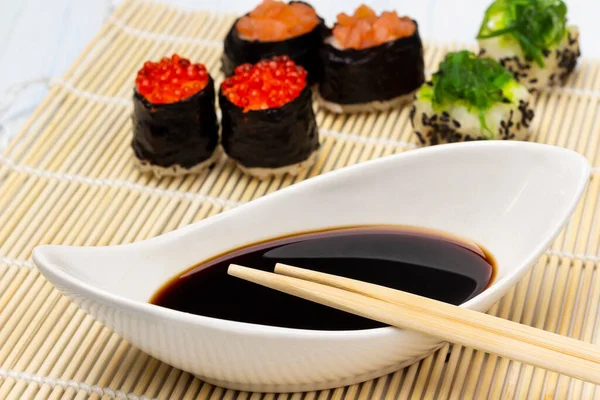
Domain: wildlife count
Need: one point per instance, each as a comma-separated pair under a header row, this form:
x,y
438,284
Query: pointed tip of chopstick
x,y
285,269
251,274
237,270
240,271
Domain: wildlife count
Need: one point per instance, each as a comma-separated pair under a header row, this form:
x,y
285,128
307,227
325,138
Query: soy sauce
x,y
430,264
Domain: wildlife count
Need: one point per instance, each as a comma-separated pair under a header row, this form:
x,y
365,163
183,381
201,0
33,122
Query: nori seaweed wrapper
x,y
184,133
303,49
271,138
381,72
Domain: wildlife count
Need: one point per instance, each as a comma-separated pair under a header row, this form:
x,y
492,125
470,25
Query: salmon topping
x,y
274,20
365,29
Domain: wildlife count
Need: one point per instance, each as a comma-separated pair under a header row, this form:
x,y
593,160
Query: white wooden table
x,y
41,38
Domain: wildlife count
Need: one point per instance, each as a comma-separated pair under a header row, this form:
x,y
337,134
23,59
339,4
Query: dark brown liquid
x,y
417,261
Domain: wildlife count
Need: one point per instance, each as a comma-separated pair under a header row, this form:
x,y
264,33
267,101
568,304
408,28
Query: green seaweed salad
x,y
536,25
477,83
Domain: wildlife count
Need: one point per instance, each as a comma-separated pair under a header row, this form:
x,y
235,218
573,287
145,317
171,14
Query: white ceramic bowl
x,y
511,197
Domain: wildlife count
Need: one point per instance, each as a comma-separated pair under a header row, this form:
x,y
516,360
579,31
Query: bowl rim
x,y
56,274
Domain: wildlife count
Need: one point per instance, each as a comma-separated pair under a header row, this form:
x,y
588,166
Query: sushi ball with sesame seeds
x,y
471,98
532,40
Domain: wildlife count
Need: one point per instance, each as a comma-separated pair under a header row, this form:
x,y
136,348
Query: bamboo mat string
x,y
78,386
324,132
163,37
126,102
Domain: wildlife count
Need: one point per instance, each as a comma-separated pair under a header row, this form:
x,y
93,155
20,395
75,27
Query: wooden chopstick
x,y
521,332
453,324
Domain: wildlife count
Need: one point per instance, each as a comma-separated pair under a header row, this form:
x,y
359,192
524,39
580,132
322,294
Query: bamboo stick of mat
x,y
445,321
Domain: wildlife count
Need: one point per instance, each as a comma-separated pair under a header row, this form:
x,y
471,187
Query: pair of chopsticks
x,y
450,323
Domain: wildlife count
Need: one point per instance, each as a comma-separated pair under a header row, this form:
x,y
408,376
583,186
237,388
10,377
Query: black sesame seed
x,y
456,123
568,62
420,136
433,139
533,80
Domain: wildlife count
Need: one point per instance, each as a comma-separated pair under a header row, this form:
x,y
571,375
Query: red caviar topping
x,y
267,84
170,80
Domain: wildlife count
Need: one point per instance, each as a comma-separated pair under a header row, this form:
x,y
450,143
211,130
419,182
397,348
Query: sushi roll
x,y
275,28
175,128
531,39
268,123
471,98
370,62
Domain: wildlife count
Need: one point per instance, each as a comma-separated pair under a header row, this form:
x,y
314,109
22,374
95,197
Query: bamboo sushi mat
x,y
67,178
